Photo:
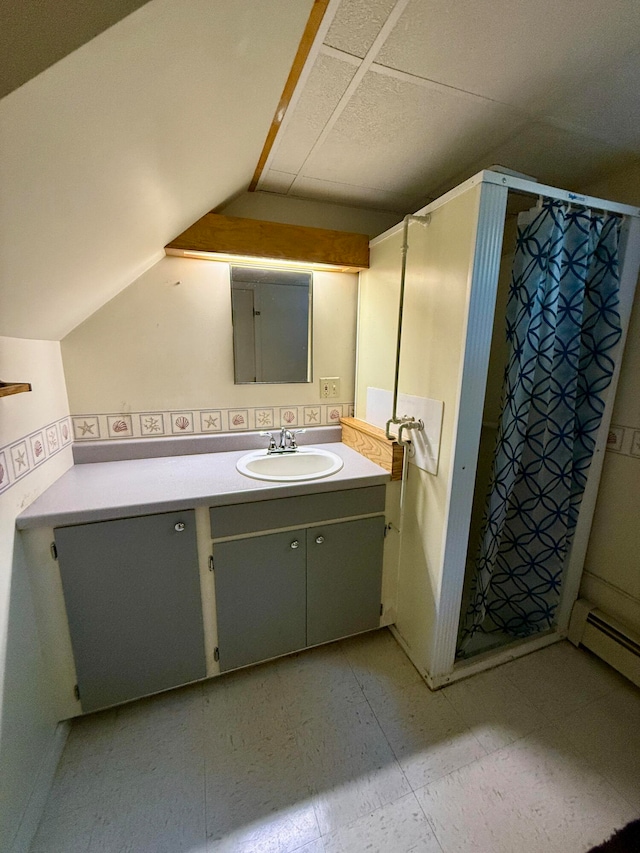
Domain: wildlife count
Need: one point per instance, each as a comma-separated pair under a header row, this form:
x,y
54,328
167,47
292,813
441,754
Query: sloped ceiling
x,y
35,35
114,150
111,152
403,99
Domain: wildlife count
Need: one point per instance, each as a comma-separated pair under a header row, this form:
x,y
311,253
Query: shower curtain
x,y
562,325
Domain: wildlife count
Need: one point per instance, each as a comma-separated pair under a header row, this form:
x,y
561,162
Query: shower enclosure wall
x,y
452,356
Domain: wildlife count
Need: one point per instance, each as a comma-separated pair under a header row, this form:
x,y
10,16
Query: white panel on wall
x,y
379,407
425,444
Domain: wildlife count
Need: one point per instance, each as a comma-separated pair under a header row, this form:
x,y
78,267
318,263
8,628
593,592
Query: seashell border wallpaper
x,y
92,427
21,457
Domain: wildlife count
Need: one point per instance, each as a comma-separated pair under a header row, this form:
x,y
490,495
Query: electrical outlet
x,y
329,387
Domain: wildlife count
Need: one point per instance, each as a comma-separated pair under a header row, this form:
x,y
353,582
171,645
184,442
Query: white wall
x,y
165,343
27,716
316,214
612,570
117,148
436,297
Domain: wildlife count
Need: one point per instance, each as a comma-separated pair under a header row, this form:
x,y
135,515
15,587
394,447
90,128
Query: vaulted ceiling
x,y
117,148
110,152
403,99
36,35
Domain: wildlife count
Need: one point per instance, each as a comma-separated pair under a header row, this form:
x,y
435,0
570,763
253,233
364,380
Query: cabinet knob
x,y
295,544
319,540
179,526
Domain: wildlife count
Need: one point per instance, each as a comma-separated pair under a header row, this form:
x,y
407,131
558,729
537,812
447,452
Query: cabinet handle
x,y
295,544
179,526
319,540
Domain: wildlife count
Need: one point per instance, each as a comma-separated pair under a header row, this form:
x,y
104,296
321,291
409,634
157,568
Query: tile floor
x,y
344,749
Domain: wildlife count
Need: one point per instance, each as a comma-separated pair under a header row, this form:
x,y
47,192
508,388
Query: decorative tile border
x,y
203,421
624,441
25,454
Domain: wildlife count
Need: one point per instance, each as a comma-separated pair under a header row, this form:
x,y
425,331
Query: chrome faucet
x,y
286,443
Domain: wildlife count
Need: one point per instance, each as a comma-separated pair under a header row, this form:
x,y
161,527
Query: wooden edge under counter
x,y
8,388
371,441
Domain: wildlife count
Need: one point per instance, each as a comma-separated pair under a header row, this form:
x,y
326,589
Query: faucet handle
x,y
272,441
294,433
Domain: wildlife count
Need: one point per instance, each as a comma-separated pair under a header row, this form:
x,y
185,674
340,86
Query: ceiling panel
x,y
395,135
607,105
276,182
344,193
357,23
516,52
327,82
550,154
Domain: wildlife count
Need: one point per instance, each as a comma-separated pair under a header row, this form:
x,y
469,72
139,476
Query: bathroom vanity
x,y
152,573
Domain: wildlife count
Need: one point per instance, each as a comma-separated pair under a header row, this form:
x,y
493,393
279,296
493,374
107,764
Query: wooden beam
x,y
8,388
371,441
230,235
313,25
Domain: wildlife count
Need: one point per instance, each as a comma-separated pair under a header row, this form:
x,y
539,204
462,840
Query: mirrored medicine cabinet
x,y
271,314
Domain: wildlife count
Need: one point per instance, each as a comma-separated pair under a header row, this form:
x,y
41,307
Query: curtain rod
x,y
569,201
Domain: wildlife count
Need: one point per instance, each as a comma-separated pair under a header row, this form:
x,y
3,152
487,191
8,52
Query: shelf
x,y
7,388
231,238
371,441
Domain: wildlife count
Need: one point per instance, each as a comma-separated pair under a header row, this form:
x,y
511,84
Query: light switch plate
x,y
329,387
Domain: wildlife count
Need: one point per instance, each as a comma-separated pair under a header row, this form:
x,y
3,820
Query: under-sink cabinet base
x,y
136,606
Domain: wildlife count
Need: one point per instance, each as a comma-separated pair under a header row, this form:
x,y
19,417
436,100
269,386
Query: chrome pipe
x,y
404,249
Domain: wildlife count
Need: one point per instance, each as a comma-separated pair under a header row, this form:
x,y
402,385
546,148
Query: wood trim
x,y
308,36
230,235
371,441
8,388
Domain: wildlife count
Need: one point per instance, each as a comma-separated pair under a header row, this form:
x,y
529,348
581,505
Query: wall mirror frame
x,y
271,313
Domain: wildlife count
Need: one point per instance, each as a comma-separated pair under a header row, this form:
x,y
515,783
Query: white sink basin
x,y
306,463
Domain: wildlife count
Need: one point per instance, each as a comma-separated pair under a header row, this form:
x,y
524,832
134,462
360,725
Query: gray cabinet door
x,y
260,597
344,578
132,592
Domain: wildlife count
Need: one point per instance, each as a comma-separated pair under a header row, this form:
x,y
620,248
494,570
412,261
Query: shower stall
x,y
514,308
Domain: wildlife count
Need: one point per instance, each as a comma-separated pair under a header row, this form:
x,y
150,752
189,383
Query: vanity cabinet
x,y
344,578
132,594
279,592
260,598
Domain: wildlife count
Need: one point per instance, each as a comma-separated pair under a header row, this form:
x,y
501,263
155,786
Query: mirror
x,y
271,313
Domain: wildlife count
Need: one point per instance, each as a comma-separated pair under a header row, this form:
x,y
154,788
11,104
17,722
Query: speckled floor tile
x,y
399,827
316,846
67,832
535,795
317,753
559,679
258,792
495,710
319,682
379,663
607,733
426,734
351,766
282,831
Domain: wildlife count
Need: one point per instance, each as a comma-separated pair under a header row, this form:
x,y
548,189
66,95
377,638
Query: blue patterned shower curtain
x,y
562,325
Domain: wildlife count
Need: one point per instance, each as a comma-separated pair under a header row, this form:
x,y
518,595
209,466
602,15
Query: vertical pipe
x,y
404,249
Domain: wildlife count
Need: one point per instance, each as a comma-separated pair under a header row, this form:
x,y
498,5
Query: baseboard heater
x,y
616,644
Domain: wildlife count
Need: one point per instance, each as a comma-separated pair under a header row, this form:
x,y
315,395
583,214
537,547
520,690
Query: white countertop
x,y
101,491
